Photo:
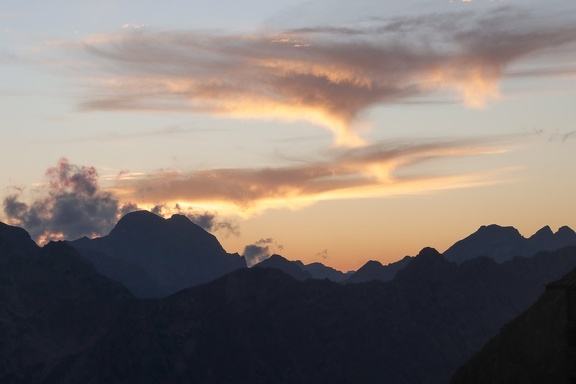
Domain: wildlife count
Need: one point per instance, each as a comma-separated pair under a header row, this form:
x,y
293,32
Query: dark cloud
x,y
260,251
569,136
72,205
322,254
326,74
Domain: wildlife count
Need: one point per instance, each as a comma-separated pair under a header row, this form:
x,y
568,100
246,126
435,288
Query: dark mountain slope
x,y
261,325
15,240
159,256
529,349
53,305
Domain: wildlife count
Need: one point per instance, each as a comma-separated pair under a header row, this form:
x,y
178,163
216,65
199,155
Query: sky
x,y
326,130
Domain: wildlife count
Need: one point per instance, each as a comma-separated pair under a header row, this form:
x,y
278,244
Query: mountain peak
x,y
546,230
137,221
172,253
429,252
566,231
16,238
290,267
495,229
178,218
500,243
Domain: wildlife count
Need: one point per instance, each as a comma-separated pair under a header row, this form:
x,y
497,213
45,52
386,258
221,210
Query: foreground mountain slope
x,y
159,256
53,305
529,349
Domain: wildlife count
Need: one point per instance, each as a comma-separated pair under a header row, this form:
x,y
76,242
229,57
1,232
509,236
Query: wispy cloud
x,y
325,74
261,250
376,170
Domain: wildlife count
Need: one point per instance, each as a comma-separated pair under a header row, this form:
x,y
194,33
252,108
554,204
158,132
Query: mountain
x,y
374,270
16,239
504,243
301,271
63,322
321,271
54,305
530,349
155,257
262,325
292,268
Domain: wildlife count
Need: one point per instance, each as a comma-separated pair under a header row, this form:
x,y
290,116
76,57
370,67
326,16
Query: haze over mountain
x,y
155,257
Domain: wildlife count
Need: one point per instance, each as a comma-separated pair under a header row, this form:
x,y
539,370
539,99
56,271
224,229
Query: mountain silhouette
x,y
504,243
53,305
320,271
374,270
63,322
292,268
15,239
155,257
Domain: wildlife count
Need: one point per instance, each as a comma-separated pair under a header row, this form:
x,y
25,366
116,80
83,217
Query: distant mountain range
x,y
493,241
301,271
505,243
63,321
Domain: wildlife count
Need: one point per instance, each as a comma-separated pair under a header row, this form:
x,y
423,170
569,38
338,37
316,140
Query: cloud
x,y
569,136
208,220
322,254
260,251
72,204
380,169
325,74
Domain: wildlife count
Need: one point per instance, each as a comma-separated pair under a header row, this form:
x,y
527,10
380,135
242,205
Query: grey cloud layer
x,y
326,74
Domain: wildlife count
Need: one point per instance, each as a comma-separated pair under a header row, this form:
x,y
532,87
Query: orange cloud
x,y
380,169
326,75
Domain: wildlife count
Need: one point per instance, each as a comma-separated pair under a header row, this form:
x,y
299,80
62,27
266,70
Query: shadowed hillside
x,y
529,349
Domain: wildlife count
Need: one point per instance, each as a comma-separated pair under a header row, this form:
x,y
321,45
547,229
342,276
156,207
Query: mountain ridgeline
x,y
71,311
505,243
155,257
